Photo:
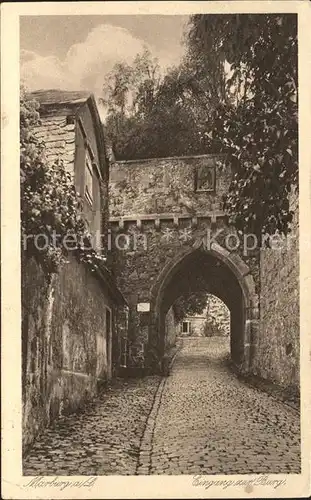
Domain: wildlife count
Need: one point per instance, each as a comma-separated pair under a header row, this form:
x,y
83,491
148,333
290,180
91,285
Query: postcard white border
x,y
13,483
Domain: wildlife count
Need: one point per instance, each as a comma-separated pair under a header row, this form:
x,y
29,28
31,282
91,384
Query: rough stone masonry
x,y
162,217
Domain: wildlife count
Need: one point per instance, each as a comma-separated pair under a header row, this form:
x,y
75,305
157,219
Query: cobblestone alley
x,y
201,419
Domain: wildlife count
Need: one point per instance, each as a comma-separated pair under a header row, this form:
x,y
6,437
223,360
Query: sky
x,y
76,52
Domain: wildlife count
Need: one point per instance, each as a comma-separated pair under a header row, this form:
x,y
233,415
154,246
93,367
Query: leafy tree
x,y
150,115
190,304
194,294
235,92
146,81
258,130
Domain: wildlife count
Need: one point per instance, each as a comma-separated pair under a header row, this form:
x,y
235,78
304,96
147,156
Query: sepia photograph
x,y
159,216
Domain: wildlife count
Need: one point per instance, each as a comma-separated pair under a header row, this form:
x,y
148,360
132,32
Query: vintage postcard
x,y
156,249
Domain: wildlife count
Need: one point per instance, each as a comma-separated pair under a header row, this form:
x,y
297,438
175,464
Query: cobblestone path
x,y
102,439
199,420
206,421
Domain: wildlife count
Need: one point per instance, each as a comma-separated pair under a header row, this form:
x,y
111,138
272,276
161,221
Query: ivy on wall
x,y
235,92
257,128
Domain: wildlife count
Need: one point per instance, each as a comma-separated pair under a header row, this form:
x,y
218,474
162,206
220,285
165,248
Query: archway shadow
x,y
227,277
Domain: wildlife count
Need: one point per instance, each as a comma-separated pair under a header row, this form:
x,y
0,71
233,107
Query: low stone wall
x,y
66,352
276,356
165,185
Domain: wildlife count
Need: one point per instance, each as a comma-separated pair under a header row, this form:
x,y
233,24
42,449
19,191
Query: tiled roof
x,y
59,138
55,96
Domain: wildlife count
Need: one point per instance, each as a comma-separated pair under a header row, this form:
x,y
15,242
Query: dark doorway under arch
x,y
220,280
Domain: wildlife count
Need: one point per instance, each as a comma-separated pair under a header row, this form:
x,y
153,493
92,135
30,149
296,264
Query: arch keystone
x,y
236,260
219,250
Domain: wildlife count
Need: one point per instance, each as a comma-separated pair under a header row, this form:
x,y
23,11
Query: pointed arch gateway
x,y
228,277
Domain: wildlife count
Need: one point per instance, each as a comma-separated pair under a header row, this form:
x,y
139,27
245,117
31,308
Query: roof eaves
x,y
105,275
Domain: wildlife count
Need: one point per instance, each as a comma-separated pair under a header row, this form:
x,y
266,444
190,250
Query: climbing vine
x,y
258,127
51,209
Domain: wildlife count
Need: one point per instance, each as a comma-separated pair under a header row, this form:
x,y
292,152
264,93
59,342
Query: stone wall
x,y
67,343
71,130
157,216
276,355
164,185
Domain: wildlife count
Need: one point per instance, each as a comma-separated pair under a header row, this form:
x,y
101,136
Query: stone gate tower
x,y
167,229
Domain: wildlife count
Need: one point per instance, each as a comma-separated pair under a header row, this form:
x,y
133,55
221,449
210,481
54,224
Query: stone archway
x,y
228,277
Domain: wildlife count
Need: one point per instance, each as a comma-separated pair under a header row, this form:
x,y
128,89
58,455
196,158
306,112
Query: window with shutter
x,y
88,178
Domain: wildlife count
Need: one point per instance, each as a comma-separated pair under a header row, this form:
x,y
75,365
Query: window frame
x,y
211,168
185,323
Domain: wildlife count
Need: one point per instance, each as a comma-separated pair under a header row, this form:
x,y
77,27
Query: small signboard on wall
x,y
143,307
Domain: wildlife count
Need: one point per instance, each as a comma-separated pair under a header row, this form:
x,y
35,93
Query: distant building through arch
x,y
160,199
